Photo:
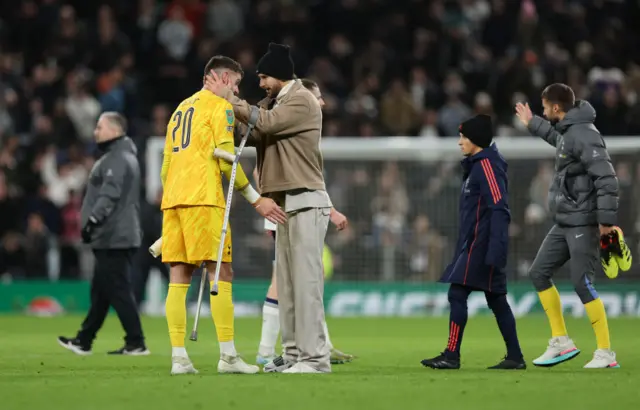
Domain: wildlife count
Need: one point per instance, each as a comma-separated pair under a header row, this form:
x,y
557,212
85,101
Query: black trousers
x,y
143,264
111,286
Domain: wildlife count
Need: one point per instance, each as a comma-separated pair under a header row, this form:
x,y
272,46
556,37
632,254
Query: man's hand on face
x,y
214,83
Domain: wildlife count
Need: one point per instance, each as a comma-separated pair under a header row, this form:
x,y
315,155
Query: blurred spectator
x,y
429,124
37,244
62,177
176,33
81,107
111,43
425,251
13,259
9,209
224,19
539,187
397,110
390,204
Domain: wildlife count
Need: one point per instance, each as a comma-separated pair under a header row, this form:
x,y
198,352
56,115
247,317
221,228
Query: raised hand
x,y
524,113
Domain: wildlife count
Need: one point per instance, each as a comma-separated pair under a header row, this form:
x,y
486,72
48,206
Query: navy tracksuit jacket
x,y
481,251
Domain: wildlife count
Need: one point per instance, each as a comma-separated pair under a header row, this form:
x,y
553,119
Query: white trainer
x,y
235,364
182,365
603,359
302,368
278,365
560,350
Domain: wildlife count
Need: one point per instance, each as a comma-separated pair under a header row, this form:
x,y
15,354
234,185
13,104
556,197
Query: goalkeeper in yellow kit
x,y
193,205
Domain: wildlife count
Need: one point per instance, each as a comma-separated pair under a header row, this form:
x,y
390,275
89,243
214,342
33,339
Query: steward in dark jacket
x,y
481,251
111,225
110,211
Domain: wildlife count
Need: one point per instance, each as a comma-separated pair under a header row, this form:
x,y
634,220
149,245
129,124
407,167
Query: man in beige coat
x,y
290,164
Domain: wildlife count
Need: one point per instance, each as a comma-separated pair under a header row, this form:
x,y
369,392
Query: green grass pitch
x,y
36,373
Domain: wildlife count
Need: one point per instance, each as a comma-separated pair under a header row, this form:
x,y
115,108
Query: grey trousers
x,y
300,282
579,246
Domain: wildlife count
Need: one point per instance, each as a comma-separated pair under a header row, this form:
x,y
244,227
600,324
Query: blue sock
x,y
458,315
506,323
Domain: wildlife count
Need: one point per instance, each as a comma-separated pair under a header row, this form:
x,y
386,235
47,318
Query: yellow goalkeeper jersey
x,y
191,176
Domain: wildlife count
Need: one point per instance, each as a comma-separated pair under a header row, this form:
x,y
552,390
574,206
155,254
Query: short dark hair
x,y
116,119
223,62
560,94
309,84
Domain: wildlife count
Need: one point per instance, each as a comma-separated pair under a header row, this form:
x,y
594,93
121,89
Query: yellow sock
x,y
176,307
552,305
222,311
598,318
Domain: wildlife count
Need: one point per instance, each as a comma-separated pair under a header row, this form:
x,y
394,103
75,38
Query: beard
x,y
274,91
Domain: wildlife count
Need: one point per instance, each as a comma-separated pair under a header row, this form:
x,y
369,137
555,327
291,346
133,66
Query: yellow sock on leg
x,y
176,311
550,300
598,317
222,313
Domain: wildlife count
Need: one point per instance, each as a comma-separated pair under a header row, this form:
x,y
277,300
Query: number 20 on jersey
x,y
183,125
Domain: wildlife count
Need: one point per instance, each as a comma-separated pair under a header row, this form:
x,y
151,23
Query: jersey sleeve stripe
x,y
491,179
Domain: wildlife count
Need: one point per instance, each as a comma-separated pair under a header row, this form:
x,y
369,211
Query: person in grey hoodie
x,y
110,217
583,200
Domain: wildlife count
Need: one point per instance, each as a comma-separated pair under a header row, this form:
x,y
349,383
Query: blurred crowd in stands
x,y
385,67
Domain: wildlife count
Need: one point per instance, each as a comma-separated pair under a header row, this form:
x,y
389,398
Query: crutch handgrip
x,y
222,154
156,249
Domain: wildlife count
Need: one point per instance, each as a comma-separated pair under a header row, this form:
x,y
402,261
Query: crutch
x,y
253,119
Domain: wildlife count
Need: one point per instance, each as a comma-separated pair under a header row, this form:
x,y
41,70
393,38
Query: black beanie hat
x,y
478,129
277,63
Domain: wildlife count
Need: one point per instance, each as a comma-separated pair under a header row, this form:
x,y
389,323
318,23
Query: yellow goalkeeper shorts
x,y
191,234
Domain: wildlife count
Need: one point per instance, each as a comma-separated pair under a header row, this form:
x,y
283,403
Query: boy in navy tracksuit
x,y
481,252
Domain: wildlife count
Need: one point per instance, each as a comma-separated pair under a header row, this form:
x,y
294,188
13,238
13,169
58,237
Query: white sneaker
x,y
278,365
235,364
560,350
302,368
182,365
602,359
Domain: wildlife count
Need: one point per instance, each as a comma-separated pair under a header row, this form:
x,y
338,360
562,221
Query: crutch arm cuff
x,y
254,114
250,194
